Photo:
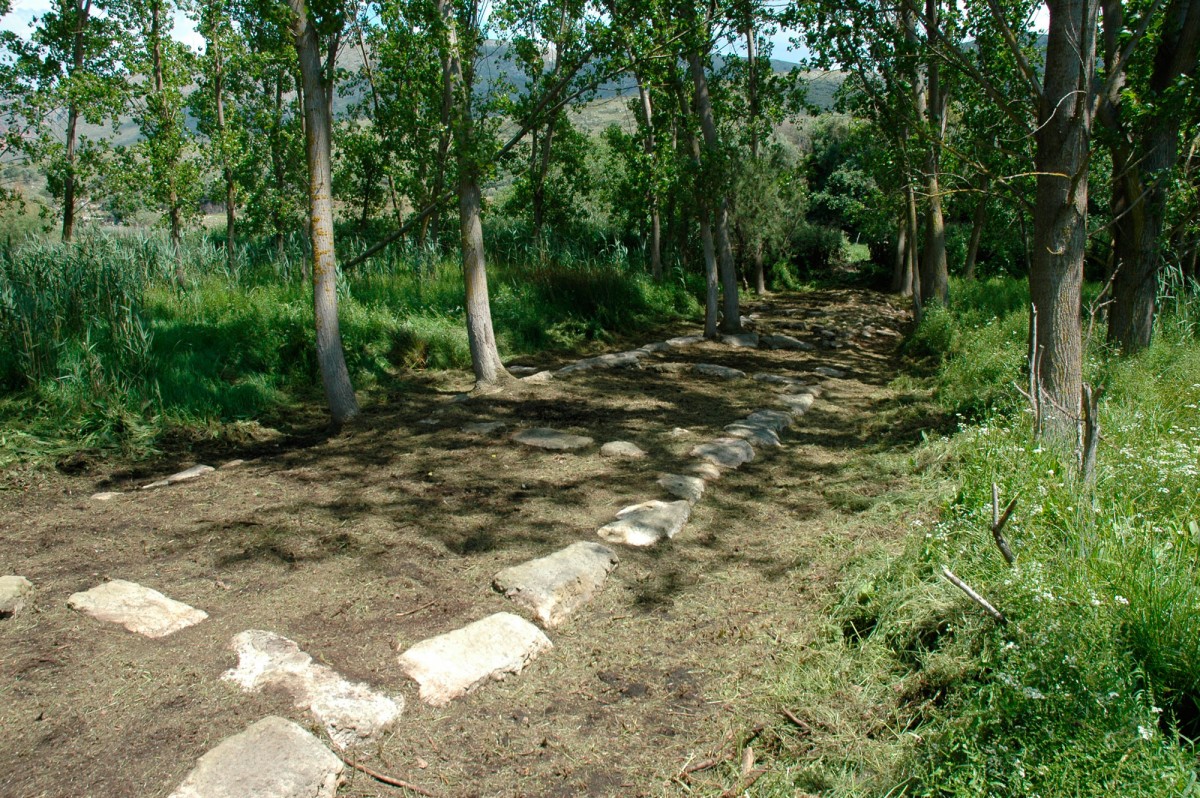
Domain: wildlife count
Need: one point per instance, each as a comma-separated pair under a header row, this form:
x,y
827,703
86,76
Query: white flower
x,y
1121,600
1145,734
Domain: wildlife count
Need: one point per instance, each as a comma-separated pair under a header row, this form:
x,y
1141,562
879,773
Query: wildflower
x,y
1145,734
1121,600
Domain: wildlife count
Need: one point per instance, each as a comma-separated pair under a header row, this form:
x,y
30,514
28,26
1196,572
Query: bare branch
x,y
971,594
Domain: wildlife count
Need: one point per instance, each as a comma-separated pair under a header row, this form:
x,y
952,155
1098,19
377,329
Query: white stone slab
x,y
786,342
772,419
829,371
106,495
776,379
522,371
798,404
483,427
554,587
451,665
670,367
611,360
744,340
350,711
180,476
706,471
545,438
647,523
725,452
13,592
656,346
684,341
625,449
139,609
274,758
721,372
690,489
541,376
754,434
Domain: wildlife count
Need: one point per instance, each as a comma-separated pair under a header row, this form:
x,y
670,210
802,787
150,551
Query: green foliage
x,y
815,250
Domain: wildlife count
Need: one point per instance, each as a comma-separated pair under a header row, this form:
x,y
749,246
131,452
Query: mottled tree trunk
x,y
81,20
711,280
935,283
976,233
173,209
902,278
318,128
650,148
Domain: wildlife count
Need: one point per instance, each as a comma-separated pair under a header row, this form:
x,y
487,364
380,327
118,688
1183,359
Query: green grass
x,y
1093,687
101,349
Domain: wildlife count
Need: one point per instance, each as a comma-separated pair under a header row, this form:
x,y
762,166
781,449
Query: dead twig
x,y
386,779
424,606
744,783
971,594
998,522
804,727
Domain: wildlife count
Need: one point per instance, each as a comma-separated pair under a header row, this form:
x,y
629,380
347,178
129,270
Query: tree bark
x,y
901,273
935,284
1060,211
976,232
732,320
173,209
711,279
68,228
651,151
226,166
756,246
481,337
318,129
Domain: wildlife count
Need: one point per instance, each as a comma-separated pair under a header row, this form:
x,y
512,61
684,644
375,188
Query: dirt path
x,y
364,543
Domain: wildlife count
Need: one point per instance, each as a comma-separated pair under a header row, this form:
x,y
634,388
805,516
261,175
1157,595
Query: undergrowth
x,y
102,348
1093,686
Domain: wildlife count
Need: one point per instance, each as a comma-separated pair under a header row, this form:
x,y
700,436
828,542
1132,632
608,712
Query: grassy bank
x,y
102,348
1093,686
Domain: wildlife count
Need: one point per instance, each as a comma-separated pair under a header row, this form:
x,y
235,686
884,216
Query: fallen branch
x,y
386,779
744,784
804,727
424,606
971,594
998,522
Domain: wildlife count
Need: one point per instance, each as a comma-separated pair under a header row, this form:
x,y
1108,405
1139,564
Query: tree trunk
x,y
914,256
1060,212
976,232
81,21
901,274
711,280
756,246
651,150
226,167
732,320
935,284
318,123
156,61
481,337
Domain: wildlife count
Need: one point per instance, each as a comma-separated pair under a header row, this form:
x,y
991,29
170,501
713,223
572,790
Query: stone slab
x,y
611,360
684,341
13,592
647,523
690,489
273,758
546,438
798,404
721,372
786,342
483,427
829,371
180,476
801,387
522,371
772,419
744,340
137,608
555,586
670,368
776,379
725,452
706,471
656,346
754,434
106,495
451,665
541,376
351,712
625,449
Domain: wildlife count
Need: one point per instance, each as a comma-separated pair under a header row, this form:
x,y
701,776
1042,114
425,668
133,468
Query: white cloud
x,y
20,20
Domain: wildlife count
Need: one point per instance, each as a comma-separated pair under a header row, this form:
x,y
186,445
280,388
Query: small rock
x,y
799,405
800,387
725,452
350,711
670,368
553,587
786,342
723,372
106,496
483,427
749,321
541,376
706,471
607,361
273,758
181,476
647,523
690,489
772,419
522,371
775,379
451,665
828,371
232,464
13,590
754,434
431,421
744,340
622,449
545,438
684,341
139,609
657,346
680,432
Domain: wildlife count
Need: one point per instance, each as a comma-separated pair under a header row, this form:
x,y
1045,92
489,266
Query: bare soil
x,y
358,544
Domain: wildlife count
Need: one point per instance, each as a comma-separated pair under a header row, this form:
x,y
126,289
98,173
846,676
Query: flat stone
x,y
647,523
749,321
801,387
139,609
431,421
829,371
772,419
680,432
350,711
706,471
786,342
798,404
622,449
236,463
754,434
554,587
451,665
684,341
483,427
745,340
690,489
180,476
541,376
656,346
13,590
545,438
106,495
670,368
725,452
776,379
522,371
723,372
611,360
273,758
